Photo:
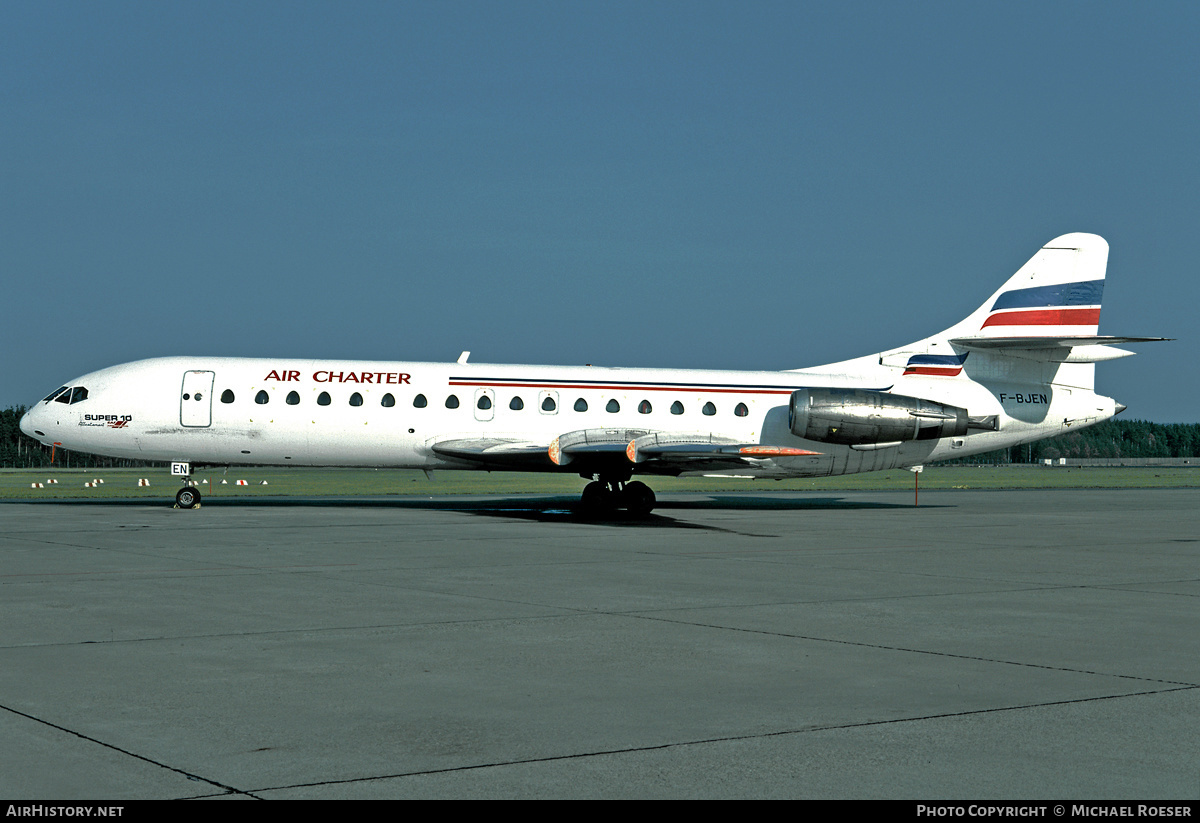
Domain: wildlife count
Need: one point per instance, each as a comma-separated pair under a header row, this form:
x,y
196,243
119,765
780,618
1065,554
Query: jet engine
x,y
854,417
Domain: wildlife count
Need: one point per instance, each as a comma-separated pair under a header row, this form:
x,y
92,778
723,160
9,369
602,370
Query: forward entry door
x,y
195,398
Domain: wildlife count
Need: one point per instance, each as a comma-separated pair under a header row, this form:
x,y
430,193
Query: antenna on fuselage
x,y
462,358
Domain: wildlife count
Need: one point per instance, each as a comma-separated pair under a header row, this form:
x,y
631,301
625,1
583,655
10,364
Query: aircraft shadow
x,y
544,509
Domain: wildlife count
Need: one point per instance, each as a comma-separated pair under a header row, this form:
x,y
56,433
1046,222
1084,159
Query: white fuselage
x,y
390,414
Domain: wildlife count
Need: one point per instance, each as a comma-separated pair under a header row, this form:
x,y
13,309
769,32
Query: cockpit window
x,y
68,395
75,395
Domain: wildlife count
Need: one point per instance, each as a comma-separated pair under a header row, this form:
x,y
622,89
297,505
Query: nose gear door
x,y
195,399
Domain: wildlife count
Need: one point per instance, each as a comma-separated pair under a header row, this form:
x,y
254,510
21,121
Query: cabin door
x,y
195,398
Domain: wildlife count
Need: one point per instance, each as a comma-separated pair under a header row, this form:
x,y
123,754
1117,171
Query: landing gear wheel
x,y
596,498
187,498
602,498
638,498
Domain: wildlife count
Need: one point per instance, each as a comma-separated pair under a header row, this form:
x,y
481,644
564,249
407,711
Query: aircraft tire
x,y
187,498
639,498
596,498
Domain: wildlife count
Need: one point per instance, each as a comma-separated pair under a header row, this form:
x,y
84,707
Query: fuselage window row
x,y
75,395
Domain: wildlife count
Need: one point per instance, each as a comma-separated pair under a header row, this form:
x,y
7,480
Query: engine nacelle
x,y
854,417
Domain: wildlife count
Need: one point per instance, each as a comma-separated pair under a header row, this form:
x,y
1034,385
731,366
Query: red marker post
x,y
916,470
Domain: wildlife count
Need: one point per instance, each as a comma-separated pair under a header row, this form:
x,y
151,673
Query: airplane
x,y
1020,368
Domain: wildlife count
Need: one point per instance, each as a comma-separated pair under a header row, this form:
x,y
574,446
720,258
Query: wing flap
x,y
706,447
591,443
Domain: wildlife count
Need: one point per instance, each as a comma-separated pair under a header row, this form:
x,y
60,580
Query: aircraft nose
x,y
26,424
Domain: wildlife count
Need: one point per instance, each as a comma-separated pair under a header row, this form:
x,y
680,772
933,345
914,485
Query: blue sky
x,y
696,185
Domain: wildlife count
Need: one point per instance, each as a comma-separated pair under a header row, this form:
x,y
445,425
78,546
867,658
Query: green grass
x,y
122,483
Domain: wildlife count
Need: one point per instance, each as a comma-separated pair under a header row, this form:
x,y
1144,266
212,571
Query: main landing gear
x,y
603,496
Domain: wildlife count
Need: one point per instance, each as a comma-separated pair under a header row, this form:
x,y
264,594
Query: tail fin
x,y
1048,313
1055,296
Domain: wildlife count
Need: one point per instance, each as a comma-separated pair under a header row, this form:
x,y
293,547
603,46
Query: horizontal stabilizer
x,y
993,343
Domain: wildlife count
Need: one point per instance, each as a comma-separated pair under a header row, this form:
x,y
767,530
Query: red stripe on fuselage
x,y
625,388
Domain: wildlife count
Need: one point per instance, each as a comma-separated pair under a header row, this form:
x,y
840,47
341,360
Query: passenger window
x,y
548,404
452,402
676,408
227,396
293,398
709,409
356,399
581,405
740,410
516,404
387,401
613,407
483,403
323,399
644,407
419,402
262,397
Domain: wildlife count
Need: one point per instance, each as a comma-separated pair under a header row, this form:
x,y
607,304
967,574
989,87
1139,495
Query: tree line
x,y
1110,439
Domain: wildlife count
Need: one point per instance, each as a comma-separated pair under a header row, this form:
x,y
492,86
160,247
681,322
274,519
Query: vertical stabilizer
x,y
1056,294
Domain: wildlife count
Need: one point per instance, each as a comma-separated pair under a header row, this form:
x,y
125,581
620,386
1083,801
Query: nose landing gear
x,y
188,497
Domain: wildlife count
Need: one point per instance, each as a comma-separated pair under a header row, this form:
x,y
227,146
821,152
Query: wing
x,y
501,453
591,451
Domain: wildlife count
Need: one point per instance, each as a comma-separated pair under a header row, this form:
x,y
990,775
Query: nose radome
x,y
26,424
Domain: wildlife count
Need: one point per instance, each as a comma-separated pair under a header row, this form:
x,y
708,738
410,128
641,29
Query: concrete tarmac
x,y
1020,645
